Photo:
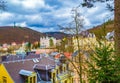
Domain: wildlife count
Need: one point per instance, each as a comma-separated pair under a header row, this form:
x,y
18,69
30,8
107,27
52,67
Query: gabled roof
x,y
14,67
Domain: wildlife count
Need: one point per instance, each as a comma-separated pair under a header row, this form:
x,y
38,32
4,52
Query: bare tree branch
x,y
2,5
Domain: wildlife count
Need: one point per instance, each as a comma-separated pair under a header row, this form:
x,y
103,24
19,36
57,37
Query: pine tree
x,y
51,42
116,9
102,65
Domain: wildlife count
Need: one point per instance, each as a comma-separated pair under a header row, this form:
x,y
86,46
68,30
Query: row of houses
x,y
34,69
45,42
49,41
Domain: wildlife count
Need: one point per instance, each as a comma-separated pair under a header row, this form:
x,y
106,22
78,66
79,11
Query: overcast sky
x,y
45,15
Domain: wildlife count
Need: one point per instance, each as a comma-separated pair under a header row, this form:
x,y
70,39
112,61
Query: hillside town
x,y
59,41
45,60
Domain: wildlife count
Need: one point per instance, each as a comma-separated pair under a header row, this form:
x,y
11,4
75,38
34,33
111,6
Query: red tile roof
x,y
67,54
57,56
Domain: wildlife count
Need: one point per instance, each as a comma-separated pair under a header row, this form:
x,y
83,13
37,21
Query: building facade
x,y
45,42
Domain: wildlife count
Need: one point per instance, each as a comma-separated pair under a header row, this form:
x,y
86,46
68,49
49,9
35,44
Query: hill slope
x,y
57,35
10,34
103,29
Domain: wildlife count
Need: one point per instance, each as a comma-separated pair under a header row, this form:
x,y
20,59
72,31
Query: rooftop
x,y
14,68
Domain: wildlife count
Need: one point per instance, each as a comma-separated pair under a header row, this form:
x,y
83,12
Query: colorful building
x,y
34,70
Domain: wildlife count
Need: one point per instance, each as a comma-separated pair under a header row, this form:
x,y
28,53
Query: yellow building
x,y
10,74
4,75
61,75
87,44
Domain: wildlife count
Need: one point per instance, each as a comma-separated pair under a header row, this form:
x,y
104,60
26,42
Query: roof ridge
x,y
17,61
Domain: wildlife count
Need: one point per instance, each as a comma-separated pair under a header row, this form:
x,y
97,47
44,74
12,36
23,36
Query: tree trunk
x,y
117,26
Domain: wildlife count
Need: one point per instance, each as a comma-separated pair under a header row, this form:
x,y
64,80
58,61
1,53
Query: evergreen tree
x,y
116,9
51,42
102,65
38,45
28,47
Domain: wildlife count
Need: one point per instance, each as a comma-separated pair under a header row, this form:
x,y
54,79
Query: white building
x,y
45,41
110,36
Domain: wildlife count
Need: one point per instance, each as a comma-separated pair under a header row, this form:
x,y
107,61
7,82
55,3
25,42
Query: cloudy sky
x,y
45,15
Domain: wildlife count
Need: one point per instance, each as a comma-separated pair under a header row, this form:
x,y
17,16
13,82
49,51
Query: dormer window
x,y
28,76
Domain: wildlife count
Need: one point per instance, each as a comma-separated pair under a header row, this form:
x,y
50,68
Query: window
x,y
30,79
64,68
34,79
49,74
65,81
61,69
57,71
53,77
67,66
72,80
25,79
4,79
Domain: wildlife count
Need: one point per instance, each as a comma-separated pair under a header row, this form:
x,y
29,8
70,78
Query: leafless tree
x,y
75,28
2,5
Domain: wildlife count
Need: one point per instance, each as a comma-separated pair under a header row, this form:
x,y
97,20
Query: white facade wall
x,y
45,41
